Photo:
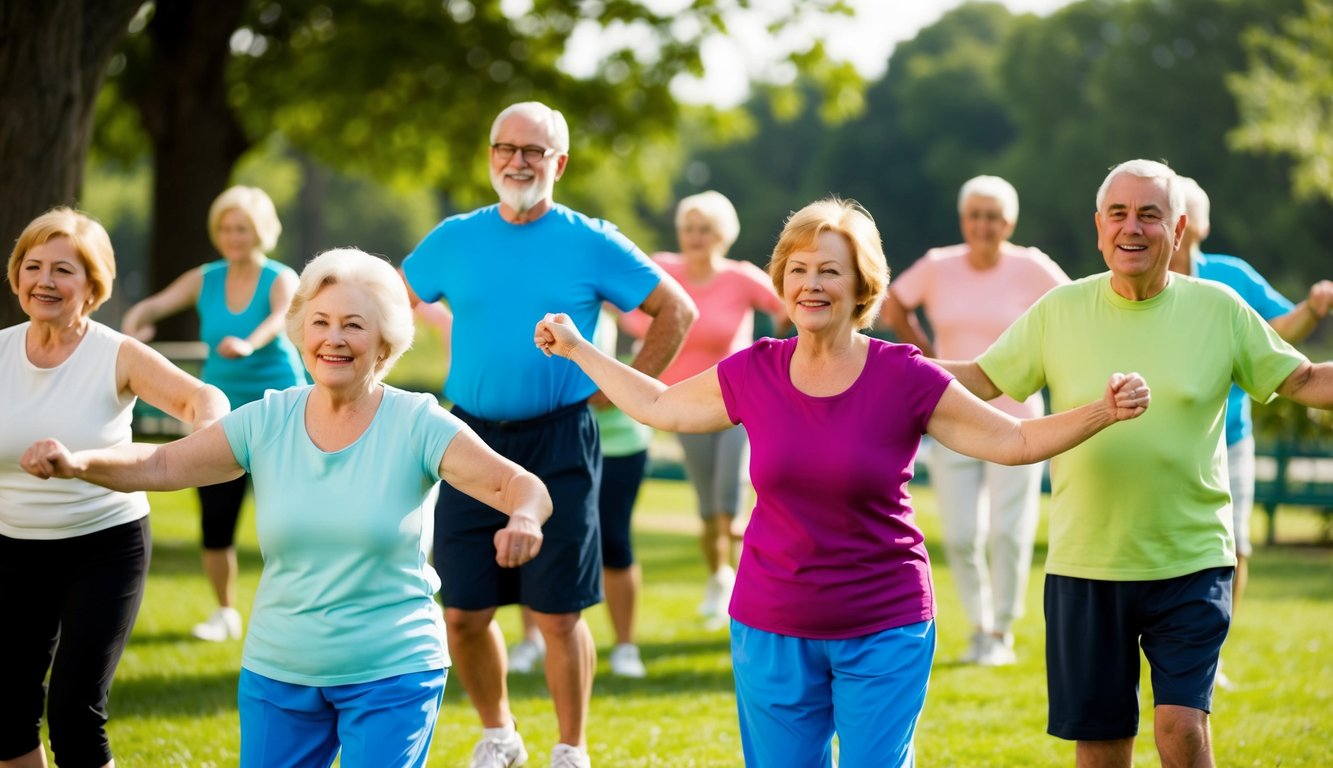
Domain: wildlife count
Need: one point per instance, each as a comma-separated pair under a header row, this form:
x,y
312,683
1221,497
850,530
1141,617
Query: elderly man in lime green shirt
x,y
1141,548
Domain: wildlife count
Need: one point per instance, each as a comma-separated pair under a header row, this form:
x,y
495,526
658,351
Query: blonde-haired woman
x,y
241,300
346,648
73,556
833,612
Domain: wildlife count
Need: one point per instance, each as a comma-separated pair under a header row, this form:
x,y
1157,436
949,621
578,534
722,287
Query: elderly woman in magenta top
x,y
727,292
241,299
346,648
834,592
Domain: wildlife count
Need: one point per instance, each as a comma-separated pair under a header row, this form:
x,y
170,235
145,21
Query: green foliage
x,y
1286,96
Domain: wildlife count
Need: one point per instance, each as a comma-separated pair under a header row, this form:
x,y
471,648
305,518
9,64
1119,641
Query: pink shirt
x,y
832,550
969,308
726,305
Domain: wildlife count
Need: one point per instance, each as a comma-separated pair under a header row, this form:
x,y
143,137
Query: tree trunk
x,y
53,57
196,137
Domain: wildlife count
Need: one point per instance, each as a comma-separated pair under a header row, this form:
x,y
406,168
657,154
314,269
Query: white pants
x,y
987,509
1240,468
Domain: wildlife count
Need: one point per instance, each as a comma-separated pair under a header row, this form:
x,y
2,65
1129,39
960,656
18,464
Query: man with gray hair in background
x,y
1141,552
500,269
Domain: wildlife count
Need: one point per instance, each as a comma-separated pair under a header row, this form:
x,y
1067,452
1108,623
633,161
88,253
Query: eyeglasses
x,y
531,154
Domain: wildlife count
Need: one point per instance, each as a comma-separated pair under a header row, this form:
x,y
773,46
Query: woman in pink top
x,y
971,293
727,293
833,613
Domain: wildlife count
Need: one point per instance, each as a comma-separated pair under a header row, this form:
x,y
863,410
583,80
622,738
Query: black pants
x,y
67,605
220,510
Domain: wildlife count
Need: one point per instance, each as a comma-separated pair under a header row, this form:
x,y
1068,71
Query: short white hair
x,y
1149,169
994,188
1197,206
555,122
258,208
381,282
715,207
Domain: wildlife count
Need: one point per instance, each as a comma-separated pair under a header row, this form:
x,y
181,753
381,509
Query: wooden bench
x,y
1294,472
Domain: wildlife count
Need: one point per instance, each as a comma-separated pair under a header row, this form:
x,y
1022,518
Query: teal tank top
x,y
276,365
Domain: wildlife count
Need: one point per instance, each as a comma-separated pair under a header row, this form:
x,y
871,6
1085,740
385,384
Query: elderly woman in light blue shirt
x,y
346,649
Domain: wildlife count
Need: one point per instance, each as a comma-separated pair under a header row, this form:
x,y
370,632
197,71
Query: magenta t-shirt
x,y
832,551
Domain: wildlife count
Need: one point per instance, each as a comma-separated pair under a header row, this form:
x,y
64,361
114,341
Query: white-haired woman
x,y
971,292
727,292
241,300
346,648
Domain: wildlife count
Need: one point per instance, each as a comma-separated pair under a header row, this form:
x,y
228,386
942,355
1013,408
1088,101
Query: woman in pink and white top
x,y
727,293
971,293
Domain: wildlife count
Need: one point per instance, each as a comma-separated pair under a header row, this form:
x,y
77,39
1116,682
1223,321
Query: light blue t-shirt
x,y
500,279
346,595
1238,275
276,365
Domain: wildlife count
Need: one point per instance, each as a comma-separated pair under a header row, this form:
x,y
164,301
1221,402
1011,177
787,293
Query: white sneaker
x,y
527,656
976,648
625,661
717,594
224,624
499,748
1221,680
999,651
565,756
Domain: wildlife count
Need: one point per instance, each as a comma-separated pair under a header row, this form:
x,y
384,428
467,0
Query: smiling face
x,y
983,224
698,236
236,236
1137,233
341,343
525,187
820,285
53,285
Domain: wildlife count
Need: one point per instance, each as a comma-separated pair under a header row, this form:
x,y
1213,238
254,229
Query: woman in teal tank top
x,y
242,300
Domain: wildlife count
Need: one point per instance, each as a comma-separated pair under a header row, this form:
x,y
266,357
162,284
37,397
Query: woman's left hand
x,y
518,542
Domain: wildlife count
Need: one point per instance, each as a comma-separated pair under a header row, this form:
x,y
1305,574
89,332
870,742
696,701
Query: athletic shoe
x,y
976,648
717,594
999,651
527,656
565,756
625,661
1221,680
224,624
499,748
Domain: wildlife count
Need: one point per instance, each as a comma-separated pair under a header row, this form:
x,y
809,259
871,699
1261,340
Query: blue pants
x,y
381,724
793,694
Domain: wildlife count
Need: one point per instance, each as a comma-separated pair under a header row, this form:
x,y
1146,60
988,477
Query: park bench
x,y
1295,473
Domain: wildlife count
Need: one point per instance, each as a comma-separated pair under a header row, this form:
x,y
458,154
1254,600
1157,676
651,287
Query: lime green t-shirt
x,y
1146,499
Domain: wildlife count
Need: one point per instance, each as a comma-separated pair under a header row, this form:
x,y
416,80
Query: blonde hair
x,y
90,241
258,208
851,220
719,211
380,281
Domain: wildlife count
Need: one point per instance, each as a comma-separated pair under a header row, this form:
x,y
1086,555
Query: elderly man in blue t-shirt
x,y
1292,322
500,269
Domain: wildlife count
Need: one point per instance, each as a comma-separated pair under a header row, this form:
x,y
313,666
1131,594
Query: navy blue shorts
x,y
621,478
564,450
1094,630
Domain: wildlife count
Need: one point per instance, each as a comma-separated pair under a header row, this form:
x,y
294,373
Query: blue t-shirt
x,y
500,279
346,595
276,365
1238,275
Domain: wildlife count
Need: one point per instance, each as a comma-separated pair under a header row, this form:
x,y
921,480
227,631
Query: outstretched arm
x,y
204,458
970,375
693,405
965,424
139,320
473,468
146,374
1301,321
1310,385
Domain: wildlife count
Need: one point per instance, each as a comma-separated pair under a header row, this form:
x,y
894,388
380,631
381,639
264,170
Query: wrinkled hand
x,y
1320,299
1127,396
47,459
556,334
234,347
518,542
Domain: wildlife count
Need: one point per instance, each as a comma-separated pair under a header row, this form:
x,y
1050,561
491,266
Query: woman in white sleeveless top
x,y
73,556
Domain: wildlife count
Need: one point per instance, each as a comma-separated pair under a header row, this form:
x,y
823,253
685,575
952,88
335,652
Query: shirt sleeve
x,y
1014,362
436,428
1263,360
627,275
241,427
731,374
417,269
910,286
762,295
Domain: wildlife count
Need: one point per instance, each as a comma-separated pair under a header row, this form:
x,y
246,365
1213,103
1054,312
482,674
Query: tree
x,y
52,62
1286,97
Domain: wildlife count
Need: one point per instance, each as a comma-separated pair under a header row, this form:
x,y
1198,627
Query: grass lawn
x,y
173,703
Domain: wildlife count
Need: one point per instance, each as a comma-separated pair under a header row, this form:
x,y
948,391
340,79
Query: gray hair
x,y
1149,169
379,280
1197,206
715,207
555,122
995,188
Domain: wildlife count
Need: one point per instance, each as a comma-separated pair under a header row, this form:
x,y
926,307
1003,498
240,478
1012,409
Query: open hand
x,y
233,347
518,542
47,459
1127,396
556,334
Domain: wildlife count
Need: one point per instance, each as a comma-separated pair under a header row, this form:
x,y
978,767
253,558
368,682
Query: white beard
x,y
519,199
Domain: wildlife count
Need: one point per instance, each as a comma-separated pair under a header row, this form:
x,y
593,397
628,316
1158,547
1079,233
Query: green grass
x,y
174,699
